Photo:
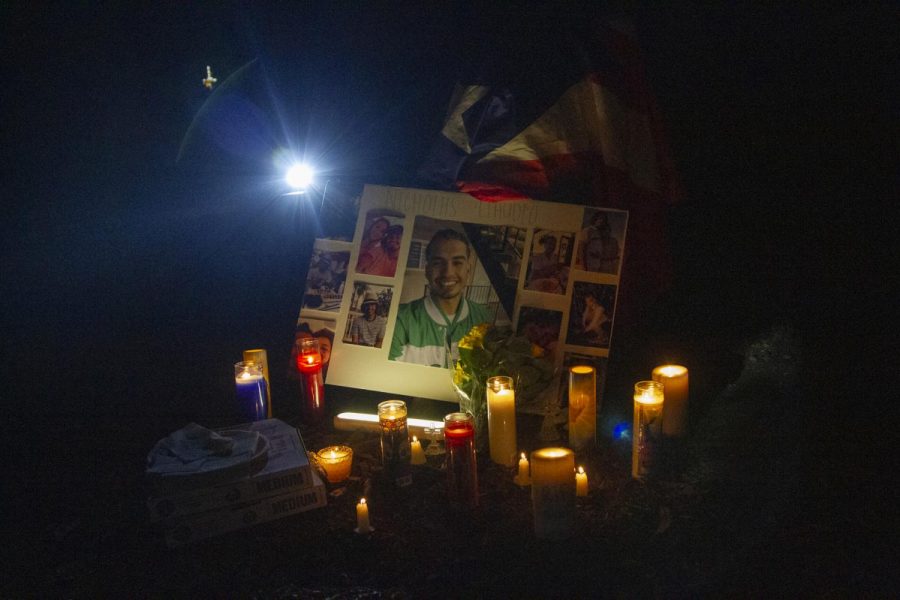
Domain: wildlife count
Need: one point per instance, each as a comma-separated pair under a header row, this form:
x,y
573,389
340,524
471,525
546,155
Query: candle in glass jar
x,y
581,482
258,356
250,388
362,517
395,446
416,453
675,390
582,406
522,477
501,410
337,462
309,363
462,469
553,492
648,416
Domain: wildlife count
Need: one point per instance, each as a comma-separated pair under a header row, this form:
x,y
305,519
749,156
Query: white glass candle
x,y
553,493
582,406
648,416
501,410
675,390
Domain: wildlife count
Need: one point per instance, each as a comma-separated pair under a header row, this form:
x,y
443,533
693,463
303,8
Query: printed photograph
x,y
590,316
541,327
600,241
446,291
326,276
551,255
320,329
379,248
368,315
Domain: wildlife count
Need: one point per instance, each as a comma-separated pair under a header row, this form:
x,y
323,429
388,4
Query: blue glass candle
x,y
250,387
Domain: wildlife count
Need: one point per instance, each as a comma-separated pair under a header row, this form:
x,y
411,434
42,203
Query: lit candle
x,y
309,363
258,356
337,462
362,517
648,416
553,492
417,454
501,410
395,446
250,388
675,389
581,482
462,468
582,406
522,477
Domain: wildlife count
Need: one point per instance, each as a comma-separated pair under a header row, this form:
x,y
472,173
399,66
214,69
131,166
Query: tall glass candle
x,y
648,417
395,446
501,412
250,388
258,356
675,390
553,493
462,470
309,363
582,406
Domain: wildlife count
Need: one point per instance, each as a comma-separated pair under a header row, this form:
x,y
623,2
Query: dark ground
x,y
130,284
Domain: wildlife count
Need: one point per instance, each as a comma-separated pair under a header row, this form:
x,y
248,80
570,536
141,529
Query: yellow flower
x,y
475,337
459,374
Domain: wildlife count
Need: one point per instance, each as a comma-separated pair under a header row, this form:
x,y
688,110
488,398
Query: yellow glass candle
x,y
553,493
582,406
337,462
675,389
648,416
501,410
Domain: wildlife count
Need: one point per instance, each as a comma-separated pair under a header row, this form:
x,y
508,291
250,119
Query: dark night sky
x,y
118,258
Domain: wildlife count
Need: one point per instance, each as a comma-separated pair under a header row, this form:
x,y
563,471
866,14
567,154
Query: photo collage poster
x,y
425,266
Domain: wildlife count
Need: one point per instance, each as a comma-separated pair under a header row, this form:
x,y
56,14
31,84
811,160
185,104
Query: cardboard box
x,y
287,467
185,530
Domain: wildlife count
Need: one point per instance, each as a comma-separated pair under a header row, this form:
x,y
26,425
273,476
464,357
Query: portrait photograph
x,y
379,250
541,326
446,291
551,255
326,276
601,240
591,314
367,319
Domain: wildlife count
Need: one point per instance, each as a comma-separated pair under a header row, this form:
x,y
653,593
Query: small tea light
x,y
522,477
581,482
417,455
336,460
362,517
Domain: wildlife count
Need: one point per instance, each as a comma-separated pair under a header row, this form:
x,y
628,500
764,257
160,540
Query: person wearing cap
x,y
382,259
428,330
368,329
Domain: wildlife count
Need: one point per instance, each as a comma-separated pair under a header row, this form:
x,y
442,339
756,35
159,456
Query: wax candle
x,y
417,455
362,517
258,356
522,477
582,406
395,447
501,410
581,482
675,390
648,416
553,492
309,363
462,469
250,388
337,462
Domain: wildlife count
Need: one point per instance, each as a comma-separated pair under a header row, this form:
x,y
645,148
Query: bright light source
x,y
300,176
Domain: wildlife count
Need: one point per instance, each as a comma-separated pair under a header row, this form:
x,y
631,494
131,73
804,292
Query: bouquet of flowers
x,y
487,351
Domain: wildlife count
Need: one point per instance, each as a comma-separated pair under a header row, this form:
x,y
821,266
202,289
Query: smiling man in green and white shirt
x,y
426,328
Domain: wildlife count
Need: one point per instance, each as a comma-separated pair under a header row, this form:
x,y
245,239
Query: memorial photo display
x,y
426,266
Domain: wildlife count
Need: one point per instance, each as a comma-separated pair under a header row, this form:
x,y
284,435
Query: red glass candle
x,y
309,363
462,470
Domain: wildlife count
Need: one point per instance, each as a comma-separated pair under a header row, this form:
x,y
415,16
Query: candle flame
x,y
581,470
523,456
362,500
415,439
672,370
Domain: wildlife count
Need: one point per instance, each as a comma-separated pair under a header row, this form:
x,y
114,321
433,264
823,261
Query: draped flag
x,y
595,140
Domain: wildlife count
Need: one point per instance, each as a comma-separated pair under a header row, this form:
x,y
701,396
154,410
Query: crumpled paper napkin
x,y
196,449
